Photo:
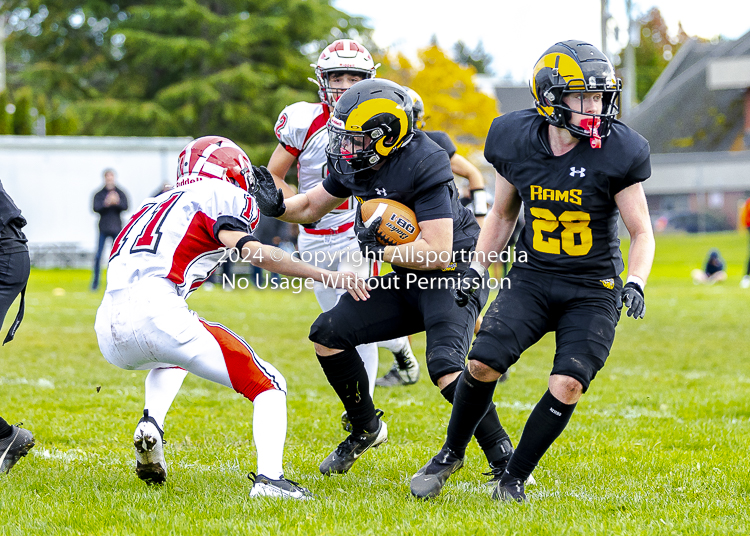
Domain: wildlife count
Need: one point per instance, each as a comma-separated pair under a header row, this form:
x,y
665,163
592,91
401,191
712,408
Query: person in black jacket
x,y
15,442
109,202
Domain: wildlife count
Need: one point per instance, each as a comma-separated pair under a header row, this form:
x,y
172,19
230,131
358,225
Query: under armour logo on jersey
x,y
580,172
381,192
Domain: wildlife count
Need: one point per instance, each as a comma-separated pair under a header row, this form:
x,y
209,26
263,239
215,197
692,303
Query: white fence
x,y
53,179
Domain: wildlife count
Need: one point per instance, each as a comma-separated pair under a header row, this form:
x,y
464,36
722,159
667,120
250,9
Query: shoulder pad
x,y
513,137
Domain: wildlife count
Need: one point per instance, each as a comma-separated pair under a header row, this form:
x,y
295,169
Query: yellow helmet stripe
x,y
567,68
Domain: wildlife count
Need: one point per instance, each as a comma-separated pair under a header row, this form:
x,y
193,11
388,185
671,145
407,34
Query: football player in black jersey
x,y
575,168
15,267
399,372
375,153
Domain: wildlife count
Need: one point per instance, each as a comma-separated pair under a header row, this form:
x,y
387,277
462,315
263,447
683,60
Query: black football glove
x,y
270,200
368,242
631,297
468,284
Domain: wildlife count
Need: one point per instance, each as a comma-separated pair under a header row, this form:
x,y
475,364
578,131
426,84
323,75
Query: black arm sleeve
x,y
230,223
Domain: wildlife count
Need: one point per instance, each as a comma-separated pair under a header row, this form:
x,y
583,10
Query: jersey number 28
x,y
575,223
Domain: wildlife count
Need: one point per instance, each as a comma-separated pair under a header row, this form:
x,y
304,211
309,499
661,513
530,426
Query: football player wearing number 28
x,y
374,152
574,167
169,247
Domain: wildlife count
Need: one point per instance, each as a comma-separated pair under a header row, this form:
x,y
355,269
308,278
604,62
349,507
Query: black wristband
x,y
244,240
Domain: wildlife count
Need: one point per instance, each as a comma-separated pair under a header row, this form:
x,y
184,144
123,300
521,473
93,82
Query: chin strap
x,y
591,126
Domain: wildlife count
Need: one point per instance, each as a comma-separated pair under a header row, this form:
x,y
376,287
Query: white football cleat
x,y
283,488
149,451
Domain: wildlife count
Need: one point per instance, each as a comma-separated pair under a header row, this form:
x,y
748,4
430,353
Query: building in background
x,y
53,178
697,119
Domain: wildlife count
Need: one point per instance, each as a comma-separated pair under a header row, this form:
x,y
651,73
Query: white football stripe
x,y
377,214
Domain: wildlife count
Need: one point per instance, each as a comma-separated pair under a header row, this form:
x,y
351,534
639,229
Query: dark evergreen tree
x,y
175,67
477,58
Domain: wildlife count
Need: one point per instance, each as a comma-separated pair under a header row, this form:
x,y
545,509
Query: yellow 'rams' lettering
x,y
547,194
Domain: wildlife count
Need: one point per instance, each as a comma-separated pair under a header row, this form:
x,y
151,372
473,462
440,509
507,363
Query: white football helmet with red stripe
x,y
341,56
214,157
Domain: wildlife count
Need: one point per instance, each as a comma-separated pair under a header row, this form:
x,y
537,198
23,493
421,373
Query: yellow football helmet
x,y
370,122
575,67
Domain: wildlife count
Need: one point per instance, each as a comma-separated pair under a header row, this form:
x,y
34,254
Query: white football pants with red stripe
x,y
148,326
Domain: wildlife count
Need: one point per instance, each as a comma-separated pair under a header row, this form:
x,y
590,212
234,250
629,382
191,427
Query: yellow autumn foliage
x,y
453,103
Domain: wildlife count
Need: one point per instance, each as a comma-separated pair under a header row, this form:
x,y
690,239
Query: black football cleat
x,y
430,479
351,448
509,488
14,447
347,425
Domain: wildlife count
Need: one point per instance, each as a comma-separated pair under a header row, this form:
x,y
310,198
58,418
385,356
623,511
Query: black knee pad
x,y
488,352
581,368
442,360
324,332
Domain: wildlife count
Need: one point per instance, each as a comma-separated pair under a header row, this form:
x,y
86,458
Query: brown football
x,y
399,224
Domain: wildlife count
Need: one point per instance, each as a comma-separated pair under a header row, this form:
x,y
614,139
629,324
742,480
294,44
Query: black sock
x,y
547,421
490,434
347,375
492,437
5,429
471,402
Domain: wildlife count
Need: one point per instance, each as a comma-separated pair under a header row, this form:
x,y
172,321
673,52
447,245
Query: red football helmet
x,y
341,56
214,157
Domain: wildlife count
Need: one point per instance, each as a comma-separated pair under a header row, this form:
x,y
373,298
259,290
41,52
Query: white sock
x,y
395,345
369,355
162,386
269,432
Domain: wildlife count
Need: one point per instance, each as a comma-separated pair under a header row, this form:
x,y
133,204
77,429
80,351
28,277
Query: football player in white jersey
x,y
166,251
302,134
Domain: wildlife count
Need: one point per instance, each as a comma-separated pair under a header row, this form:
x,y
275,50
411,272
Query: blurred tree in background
x,y
171,67
452,102
477,58
654,52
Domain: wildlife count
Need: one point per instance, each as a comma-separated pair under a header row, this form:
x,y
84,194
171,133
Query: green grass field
x,y
658,446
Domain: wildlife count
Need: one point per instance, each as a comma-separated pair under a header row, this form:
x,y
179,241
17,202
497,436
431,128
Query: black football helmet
x,y
370,122
417,109
575,67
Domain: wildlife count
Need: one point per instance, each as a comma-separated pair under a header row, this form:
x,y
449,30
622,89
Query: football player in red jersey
x,y
330,241
575,168
169,247
374,152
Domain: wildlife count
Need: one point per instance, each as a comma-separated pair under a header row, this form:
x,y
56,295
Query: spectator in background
x,y
109,202
745,221
15,442
712,272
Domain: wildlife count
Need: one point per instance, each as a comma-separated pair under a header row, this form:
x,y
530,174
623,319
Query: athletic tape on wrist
x,y
637,280
479,202
480,269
